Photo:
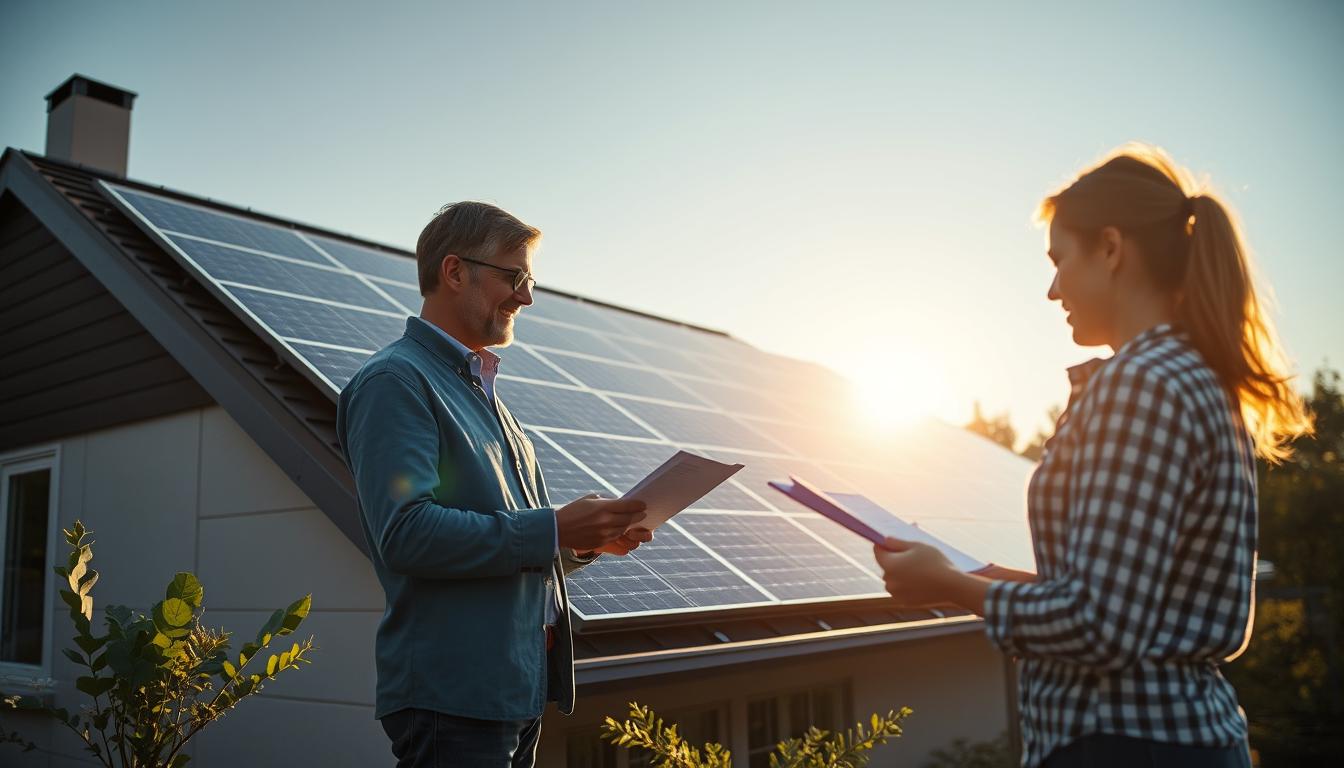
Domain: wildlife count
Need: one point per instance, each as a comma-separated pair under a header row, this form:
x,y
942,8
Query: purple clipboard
x,y
866,518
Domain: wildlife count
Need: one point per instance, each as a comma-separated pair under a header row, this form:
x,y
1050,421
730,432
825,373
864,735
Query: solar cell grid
x,y
545,334
858,548
310,320
740,399
516,361
698,427
537,405
777,555
616,585
688,568
369,261
409,298
230,264
565,480
555,307
339,366
191,220
618,378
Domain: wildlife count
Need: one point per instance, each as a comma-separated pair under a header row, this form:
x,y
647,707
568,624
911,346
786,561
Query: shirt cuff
x,y
999,615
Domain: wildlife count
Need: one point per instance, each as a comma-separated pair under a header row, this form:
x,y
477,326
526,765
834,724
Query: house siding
x,y
73,359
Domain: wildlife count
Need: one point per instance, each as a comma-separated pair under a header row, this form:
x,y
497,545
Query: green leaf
x,y
179,761
230,671
296,613
95,686
75,656
187,588
274,624
270,665
119,614
89,644
176,611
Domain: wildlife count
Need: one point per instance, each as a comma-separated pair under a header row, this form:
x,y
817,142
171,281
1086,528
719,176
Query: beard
x,y
496,329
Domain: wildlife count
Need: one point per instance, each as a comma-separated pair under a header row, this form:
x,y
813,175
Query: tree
x,y
1035,449
996,428
1291,679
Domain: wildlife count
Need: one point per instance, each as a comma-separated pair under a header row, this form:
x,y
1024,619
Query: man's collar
x,y
445,344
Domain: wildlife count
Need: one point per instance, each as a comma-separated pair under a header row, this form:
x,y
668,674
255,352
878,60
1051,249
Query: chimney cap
x,y
81,85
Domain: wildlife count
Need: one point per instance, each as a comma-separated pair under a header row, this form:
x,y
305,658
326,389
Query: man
x,y
470,553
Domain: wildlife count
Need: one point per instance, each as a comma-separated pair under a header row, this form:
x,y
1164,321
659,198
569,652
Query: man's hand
x,y
624,544
591,523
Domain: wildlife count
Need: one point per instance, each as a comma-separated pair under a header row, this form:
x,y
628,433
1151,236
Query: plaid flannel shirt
x,y
1143,521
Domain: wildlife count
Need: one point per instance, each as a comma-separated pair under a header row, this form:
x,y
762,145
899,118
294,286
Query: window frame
x,y
779,702
16,463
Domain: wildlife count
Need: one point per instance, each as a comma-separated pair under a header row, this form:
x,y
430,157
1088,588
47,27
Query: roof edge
x,y
311,465
277,220
600,671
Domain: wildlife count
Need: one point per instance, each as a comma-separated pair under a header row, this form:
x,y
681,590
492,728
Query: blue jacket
x,y
462,537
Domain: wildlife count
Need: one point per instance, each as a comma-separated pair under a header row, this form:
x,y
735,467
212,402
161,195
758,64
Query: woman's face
x,y
1082,285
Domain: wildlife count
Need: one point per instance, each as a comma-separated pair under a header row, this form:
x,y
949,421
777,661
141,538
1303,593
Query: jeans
x,y
1107,751
425,739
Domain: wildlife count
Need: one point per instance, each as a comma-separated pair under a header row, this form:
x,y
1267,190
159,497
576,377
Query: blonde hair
x,y
1192,247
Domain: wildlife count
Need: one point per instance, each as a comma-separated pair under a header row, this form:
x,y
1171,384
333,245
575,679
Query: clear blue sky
x,y
850,183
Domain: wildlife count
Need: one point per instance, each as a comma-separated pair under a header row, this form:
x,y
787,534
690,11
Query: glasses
x,y
521,277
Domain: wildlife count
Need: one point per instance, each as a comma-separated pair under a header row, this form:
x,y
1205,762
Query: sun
x,y
899,390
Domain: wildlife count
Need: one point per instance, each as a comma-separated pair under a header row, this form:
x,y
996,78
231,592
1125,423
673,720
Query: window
x,y
585,747
27,518
785,716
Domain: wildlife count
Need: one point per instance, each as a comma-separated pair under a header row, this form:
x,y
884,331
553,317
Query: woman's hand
x,y
918,576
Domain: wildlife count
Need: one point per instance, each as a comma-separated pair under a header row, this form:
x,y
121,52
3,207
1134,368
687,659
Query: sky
x,y
849,183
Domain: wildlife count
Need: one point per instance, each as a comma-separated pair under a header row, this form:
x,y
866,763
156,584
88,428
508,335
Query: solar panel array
x,y
606,395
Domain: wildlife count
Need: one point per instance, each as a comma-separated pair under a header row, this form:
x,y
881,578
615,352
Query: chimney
x,y
89,123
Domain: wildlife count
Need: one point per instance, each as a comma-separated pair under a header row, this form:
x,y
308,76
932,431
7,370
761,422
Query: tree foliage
x,y
815,749
151,680
1291,679
996,428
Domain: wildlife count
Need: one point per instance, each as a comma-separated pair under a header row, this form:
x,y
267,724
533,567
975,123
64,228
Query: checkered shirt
x,y
1143,520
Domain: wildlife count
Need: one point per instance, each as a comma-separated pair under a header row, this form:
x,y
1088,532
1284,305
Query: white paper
x,y
887,524
677,484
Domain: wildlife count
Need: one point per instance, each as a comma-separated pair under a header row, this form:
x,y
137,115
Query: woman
x,y
1143,509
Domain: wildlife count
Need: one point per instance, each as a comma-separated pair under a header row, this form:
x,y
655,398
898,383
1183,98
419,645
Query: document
x,y
677,484
868,519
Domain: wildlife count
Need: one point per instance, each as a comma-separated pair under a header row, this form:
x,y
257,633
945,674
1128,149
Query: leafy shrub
x,y
815,749
151,680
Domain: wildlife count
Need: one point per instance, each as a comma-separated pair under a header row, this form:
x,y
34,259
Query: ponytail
x,y
1193,249
1220,309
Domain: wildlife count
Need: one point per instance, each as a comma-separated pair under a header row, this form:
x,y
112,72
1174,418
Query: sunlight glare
x,y
900,390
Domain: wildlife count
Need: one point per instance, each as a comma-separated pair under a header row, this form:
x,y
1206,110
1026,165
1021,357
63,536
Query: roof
x,y
293,421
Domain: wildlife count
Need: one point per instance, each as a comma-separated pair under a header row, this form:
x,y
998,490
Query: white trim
x,y
46,457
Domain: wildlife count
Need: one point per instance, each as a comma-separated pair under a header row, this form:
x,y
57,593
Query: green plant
x,y
815,749
151,679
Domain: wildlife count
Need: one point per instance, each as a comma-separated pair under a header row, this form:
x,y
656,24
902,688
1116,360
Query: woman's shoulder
x,y
1168,376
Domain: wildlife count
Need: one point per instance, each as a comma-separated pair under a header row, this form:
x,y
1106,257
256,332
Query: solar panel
x,y
630,379
606,395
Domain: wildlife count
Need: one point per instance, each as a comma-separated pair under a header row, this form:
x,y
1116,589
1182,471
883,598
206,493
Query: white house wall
x,y
954,684
193,492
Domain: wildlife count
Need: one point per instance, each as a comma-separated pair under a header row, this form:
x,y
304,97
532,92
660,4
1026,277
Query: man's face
x,y
490,302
